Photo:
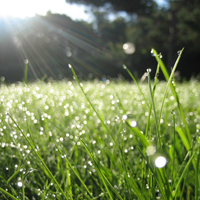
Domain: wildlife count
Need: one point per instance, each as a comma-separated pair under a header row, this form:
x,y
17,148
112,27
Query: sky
x,y
28,8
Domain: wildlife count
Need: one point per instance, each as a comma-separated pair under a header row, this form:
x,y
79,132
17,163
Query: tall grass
x,y
101,140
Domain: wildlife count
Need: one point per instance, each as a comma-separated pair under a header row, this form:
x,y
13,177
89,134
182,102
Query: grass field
x,y
124,142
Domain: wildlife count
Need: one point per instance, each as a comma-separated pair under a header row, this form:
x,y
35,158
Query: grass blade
x,y
7,193
135,81
197,176
102,121
75,172
47,170
102,176
154,111
182,175
138,134
168,79
183,138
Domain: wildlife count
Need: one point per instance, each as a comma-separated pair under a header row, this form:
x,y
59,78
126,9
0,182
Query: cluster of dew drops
x,y
36,105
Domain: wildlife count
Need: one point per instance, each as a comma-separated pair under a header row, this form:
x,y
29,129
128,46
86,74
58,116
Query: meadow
x,y
101,139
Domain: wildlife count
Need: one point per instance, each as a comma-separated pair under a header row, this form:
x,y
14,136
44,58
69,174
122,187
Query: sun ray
x,y
51,43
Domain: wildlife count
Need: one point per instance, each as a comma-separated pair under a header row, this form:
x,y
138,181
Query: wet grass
x,y
100,140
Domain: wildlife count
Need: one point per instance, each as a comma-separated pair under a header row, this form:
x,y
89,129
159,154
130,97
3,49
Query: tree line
x,y
95,49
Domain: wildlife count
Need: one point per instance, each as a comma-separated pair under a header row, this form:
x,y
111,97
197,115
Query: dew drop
x,y
19,184
26,61
152,53
160,55
160,161
133,124
179,52
173,112
148,70
129,120
124,66
124,117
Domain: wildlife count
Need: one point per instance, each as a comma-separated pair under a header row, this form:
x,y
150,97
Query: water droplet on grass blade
x,y
160,161
133,123
129,120
126,151
19,184
160,55
173,112
152,53
124,66
149,70
124,117
179,52
26,61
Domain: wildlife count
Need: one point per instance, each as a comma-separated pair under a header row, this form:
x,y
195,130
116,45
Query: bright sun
x,y
28,8
17,8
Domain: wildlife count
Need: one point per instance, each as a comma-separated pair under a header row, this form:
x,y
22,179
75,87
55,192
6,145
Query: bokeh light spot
x,y
150,150
129,48
160,162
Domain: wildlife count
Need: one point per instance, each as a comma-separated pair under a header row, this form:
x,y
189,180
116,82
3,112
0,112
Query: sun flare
x,y
29,8
19,8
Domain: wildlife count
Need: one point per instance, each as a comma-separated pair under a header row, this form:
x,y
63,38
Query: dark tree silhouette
x,y
130,6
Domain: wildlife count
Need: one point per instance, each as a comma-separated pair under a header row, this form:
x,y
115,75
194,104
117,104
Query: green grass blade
x,y
102,176
7,193
183,138
167,77
47,170
185,141
98,115
145,143
154,111
182,175
158,175
150,107
161,183
75,172
17,172
197,176
23,191
135,81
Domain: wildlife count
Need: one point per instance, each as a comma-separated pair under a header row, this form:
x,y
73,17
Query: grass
x,y
100,140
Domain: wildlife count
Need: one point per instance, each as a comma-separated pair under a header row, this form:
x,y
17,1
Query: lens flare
x,y
129,48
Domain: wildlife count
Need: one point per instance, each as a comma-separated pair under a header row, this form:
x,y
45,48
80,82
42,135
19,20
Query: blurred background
x,y
97,37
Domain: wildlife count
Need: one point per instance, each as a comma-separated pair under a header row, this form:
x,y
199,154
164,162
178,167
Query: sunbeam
x,y
51,43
